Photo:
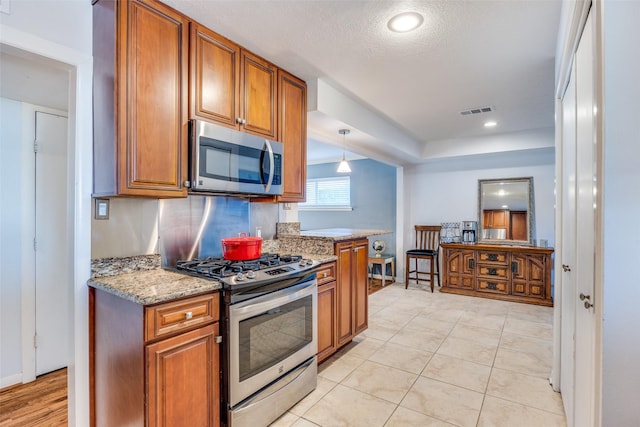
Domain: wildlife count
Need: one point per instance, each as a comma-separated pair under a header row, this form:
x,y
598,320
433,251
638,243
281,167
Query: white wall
x,y
447,190
15,157
621,334
65,22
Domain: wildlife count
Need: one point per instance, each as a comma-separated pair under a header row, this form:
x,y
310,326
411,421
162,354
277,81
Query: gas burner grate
x,y
216,268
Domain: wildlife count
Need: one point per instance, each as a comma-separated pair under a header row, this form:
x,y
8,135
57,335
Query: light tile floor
x,y
438,360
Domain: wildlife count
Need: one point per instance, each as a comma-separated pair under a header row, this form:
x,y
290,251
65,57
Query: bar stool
x,y
427,248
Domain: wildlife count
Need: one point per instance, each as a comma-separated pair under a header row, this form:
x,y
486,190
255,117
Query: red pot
x,y
241,248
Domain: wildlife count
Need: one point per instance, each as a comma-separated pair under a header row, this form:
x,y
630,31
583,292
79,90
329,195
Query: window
x,y
331,194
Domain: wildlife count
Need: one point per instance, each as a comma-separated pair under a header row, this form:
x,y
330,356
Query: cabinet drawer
x,y
493,286
326,273
493,271
492,257
177,316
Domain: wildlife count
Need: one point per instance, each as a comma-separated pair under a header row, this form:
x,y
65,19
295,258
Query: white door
x,y
567,350
586,185
52,248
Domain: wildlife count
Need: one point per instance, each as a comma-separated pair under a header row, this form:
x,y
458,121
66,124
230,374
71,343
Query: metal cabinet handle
x,y
472,263
188,315
514,267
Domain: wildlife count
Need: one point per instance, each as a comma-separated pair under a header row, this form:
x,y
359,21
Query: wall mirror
x,y
506,211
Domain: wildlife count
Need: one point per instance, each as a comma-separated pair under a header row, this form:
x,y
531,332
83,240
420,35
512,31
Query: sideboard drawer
x,y
495,257
493,286
493,271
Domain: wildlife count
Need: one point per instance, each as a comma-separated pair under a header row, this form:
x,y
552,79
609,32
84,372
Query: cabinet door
x,y
152,106
529,274
215,75
293,134
345,292
327,332
460,268
518,226
360,283
500,219
258,95
183,380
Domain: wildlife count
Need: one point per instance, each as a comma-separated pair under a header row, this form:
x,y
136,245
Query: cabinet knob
x,y
188,315
566,268
584,297
239,120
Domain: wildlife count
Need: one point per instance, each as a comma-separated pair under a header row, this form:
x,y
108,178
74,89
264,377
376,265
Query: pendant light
x,y
343,167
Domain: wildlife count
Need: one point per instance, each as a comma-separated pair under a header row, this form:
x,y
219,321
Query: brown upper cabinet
x,y
231,86
215,77
496,219
153,70
140,50
293,134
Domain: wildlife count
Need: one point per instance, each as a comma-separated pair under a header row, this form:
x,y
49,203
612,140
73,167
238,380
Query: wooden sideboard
x,y
511,273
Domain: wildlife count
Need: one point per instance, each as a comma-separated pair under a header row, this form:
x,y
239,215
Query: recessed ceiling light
x,y
405,22
490,124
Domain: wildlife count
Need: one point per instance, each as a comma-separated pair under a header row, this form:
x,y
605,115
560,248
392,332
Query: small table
x,y
383,260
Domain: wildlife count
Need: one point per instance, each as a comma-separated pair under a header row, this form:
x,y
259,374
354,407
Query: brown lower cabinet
x,y
154,365
327,311
343,297
512,273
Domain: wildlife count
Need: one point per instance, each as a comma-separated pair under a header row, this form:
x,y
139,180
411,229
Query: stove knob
x,y
239,277
251,274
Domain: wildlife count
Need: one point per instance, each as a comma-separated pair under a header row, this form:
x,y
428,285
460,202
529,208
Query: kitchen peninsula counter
x,y
342,234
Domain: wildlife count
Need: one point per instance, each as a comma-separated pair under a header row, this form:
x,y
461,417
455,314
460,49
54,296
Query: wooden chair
x,y
427,248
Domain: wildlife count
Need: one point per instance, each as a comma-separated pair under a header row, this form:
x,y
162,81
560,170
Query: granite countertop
x,y
340,234
141,280
154,286
321,258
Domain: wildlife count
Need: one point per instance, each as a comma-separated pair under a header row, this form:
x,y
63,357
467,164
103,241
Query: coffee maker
x,y
469,232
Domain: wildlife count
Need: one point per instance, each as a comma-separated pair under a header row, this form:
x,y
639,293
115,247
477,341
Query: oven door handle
x,y
250,307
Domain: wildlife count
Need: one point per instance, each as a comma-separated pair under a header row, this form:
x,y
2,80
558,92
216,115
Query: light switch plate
x,y
101,209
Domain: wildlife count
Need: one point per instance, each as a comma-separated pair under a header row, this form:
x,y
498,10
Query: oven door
x,y
269,336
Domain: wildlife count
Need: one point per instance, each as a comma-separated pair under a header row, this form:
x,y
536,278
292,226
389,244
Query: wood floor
x,y
41,403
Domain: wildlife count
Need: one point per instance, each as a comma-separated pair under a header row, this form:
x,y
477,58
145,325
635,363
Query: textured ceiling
x,y
468,53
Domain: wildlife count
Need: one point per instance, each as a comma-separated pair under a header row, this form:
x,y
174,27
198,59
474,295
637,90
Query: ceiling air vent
x,y
478,110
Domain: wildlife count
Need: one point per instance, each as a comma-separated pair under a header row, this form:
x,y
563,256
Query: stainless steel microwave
x,y
225,160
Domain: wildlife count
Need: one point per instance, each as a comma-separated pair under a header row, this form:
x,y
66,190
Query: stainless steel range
x,y
269,333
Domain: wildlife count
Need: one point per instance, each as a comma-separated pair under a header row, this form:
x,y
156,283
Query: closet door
x,y
586,187
568,246
579,187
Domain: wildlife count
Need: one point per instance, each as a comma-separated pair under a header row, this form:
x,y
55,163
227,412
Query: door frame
x,y
80,184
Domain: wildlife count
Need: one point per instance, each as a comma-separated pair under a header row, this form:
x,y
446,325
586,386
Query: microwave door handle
x,y
271,165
